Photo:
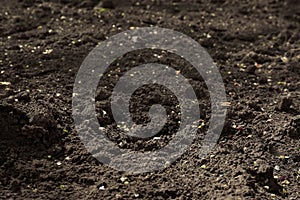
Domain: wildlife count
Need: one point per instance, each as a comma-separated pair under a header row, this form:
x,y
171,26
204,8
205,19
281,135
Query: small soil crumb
x,y
108,4
285,103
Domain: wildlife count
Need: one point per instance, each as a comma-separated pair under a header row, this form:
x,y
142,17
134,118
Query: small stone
x,y
284,59
123,178
167,163
102,187
47,51
58,163
286,182
203,167
266,187
5,83
277,168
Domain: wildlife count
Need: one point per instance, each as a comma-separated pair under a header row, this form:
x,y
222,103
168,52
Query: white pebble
x,y
102,188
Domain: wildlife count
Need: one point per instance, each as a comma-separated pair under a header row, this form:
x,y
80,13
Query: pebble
x,y
5,83
123,178
102,187
203,166
267,187
285,182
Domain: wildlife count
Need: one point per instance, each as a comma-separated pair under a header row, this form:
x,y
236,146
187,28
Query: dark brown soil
x,y
256,46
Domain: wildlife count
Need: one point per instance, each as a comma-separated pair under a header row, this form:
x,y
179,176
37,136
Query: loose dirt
x,y
255,45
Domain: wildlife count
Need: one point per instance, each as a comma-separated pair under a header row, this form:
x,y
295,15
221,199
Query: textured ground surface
x,y
256,46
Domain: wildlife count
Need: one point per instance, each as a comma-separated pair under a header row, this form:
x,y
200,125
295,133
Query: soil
x,y
256,47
